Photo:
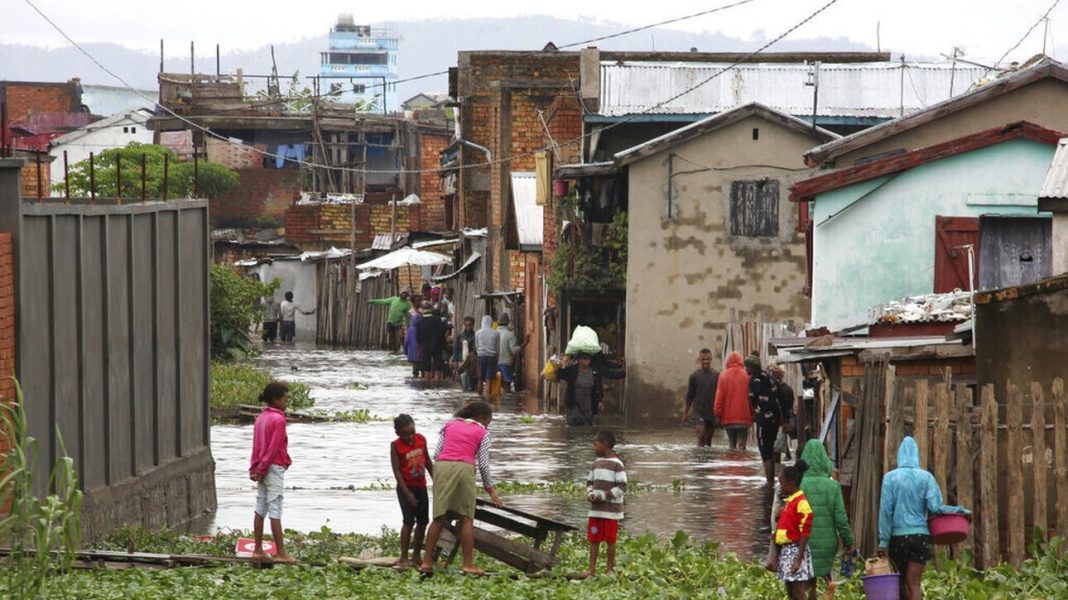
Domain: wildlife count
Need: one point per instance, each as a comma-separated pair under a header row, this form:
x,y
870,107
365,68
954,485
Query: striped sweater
x,y
605,486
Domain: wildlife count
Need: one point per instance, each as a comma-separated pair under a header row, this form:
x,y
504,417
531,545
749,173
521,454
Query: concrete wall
x,y
112,329
1041,103
300,278
1013,323
687,275
874,241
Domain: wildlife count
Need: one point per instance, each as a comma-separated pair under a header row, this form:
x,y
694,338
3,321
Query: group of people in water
x,y
809,518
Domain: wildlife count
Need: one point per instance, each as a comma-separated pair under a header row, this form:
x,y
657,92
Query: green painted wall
x,y
874,241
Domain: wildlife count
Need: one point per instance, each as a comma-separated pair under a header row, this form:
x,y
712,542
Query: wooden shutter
x,y
951,261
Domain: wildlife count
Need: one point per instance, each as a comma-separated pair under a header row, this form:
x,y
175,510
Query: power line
x,y
510,158
657,24
1044,16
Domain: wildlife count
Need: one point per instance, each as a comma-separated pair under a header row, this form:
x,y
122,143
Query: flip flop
x,y
476,572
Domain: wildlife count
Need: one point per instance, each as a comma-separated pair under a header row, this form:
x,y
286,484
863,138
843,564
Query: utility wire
x,y
508,159
657,24
1021,40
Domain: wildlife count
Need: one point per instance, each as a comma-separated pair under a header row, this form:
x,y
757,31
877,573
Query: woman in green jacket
x,y
828,508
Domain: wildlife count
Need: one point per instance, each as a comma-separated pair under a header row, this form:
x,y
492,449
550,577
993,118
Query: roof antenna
x,y
878,43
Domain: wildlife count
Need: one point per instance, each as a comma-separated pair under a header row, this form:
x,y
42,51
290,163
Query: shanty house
x,y
711,238
909,223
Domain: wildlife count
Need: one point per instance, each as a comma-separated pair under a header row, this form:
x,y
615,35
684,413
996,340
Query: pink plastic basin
x,y
948,529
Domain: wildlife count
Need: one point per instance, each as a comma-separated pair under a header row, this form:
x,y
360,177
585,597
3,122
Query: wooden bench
x,y
528,559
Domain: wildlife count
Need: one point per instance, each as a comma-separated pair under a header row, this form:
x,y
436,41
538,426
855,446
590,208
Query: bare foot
x,y
586,574
261,556
426,569
402,564
285,559
473,570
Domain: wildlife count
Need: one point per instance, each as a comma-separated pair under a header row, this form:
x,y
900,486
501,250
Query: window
x,y
126,130
755,208
133,130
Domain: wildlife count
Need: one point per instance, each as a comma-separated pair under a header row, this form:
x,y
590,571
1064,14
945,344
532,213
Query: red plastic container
x,y
560,188
949,529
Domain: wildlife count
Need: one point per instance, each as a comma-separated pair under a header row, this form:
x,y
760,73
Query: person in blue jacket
x,y
909,495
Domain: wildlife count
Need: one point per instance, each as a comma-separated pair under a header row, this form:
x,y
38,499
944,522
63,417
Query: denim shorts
x,y
269,492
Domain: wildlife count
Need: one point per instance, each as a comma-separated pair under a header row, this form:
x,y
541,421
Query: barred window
x,y
755,208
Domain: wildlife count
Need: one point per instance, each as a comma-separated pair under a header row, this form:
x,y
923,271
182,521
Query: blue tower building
x,y
361,66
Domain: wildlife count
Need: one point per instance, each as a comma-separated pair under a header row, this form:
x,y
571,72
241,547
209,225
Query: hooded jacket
x,y
909,495
825,496
732,394
487,339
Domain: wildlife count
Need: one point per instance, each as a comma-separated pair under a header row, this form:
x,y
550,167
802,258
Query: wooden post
x,y
919,429
895,430
942,442
988,479
1014,469
1060,455
1038,457
965,463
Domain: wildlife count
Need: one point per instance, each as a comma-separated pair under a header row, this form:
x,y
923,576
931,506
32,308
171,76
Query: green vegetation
x,y
237,383
356,415
235,307
647,567
211,180
34,528
579,265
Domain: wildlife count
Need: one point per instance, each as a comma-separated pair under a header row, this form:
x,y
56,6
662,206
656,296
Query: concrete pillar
x,y
1060,243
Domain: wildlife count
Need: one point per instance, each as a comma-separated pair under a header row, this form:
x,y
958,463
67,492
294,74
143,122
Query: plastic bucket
x,y
560,188
948,529
882,587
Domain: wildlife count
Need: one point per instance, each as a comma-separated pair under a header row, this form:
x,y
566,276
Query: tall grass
x,y
42,534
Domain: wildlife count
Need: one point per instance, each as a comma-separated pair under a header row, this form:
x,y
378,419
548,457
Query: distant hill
x,y
426,46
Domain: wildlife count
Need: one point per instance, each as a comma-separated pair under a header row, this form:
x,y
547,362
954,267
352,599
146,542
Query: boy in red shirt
x,y
792,533
411,462
267,467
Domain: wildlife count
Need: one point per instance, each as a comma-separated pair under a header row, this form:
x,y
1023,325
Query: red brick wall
x,y
319,226
28,175
432,211
7,319
25,100
260,193
488,116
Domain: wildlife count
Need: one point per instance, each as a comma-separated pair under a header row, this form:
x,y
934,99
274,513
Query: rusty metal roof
x,y
881,90
1056,185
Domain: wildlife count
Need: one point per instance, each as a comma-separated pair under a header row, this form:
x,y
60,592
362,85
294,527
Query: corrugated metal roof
x,y
881,90
528,214
1056,185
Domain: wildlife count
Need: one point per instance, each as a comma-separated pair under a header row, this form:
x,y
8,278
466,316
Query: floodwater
x,y
712,494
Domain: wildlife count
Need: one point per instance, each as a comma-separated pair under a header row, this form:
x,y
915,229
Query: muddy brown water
x,y
720,495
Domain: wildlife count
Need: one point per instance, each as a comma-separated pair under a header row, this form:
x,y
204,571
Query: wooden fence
x,y
345,317
1005,458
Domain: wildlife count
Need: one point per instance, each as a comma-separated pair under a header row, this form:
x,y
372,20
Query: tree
x,y
214,179
235,307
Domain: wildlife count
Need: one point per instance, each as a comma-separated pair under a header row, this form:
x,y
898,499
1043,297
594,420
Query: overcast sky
x,y
985,29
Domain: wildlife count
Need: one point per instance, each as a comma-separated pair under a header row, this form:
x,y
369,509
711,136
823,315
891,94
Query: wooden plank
x,y
895,430
965,462
542,521
988,479
942,443
1014,470
520,556
1060,454
506,523
1039,465
919,429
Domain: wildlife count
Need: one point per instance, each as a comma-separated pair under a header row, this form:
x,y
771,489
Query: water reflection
x,y
721,496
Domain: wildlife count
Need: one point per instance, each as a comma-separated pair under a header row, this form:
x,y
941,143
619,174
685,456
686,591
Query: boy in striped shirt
x,y
605,487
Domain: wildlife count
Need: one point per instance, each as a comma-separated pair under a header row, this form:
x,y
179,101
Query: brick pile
x,y
319,226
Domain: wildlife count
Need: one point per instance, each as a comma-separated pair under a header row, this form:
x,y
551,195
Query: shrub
x,y
235,307
237,383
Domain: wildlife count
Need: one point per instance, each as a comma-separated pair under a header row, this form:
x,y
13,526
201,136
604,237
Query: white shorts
x,y
269,492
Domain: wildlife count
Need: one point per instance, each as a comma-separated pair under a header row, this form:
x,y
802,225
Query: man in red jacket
x,y
732,402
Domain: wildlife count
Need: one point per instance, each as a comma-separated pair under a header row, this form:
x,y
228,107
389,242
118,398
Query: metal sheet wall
x,y
113,334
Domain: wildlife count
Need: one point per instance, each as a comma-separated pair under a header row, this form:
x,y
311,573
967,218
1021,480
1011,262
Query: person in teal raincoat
x,y
909,495
825,497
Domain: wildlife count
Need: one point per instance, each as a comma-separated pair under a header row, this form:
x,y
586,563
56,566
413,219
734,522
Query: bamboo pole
x,y
942,441
965,462
1060,454
1039,464
919,429
1013,454
895,431
988,479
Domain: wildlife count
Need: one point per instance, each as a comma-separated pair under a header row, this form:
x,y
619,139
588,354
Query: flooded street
x,y
712,494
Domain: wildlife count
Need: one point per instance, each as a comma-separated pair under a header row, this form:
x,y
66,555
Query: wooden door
x,y
951,259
